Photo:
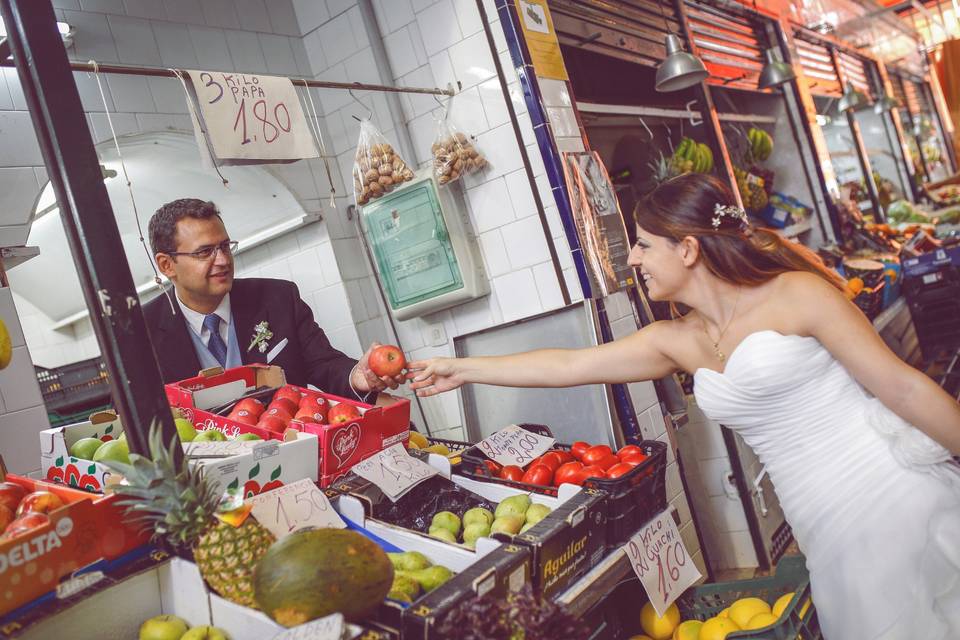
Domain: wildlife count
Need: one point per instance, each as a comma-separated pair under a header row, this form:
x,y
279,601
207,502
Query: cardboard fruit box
x,y
153,585
215,387
254,466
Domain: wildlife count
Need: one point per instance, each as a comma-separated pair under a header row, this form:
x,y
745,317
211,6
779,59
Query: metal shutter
x,y
818,68
730,46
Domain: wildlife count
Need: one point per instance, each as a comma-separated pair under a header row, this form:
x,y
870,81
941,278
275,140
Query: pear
x,y
405,583
443,534
431,577
477,514
473,531
401,596
409,561
509,524
446,520
526,527
514,506
536,513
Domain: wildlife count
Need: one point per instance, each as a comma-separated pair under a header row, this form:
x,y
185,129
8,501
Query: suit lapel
x,y
247,310
176,352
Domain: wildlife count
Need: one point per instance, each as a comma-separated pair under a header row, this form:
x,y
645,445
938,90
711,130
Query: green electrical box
x,y
426,257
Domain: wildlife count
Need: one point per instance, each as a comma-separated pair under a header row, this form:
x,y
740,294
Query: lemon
x,y
781,604
689,630
744,609
760,621
717,629
6,350
418,439
656,627
724,614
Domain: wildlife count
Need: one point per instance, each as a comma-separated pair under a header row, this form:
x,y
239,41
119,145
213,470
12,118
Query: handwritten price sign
x,y
515,445
293,507
394,471
329,628
660,559
251,117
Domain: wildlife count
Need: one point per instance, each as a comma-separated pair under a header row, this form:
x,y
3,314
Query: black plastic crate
x,y
75,385
633,498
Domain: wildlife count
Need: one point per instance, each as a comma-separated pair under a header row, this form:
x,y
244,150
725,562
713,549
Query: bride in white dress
x,y
858,444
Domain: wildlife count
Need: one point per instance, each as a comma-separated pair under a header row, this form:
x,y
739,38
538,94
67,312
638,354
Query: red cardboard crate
x,y
215,386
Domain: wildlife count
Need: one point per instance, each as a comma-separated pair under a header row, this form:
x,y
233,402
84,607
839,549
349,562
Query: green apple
x,y
441,533
210,435
536,513
477,514
85,448
509,524
514,506
248,436
115,450
205,633
185,430
163,628
446,520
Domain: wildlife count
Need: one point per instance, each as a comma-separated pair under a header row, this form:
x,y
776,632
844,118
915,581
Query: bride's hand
x,y
430,377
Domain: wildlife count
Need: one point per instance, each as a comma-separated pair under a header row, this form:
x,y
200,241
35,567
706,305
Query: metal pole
x,y
88,219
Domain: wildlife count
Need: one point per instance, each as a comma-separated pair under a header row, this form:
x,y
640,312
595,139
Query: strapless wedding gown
x,y
874,503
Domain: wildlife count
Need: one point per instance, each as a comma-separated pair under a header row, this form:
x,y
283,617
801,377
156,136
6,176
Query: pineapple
x,y
178,505
662,169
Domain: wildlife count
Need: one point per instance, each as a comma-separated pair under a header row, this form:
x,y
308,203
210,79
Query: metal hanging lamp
x,y
853,99
775,72
885,104
679,70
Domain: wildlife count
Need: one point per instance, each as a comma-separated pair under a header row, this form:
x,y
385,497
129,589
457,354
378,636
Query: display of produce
x,y
454,154
170,627
377,167
761,144
413,575
520,615
691,156
21,512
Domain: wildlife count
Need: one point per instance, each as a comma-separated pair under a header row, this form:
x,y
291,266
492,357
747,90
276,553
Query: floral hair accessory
x,y
726,211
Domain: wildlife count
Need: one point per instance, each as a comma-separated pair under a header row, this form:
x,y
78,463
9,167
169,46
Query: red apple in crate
x,y
291,394
317,406
11,494
286,404
279,411
387,361
308,417
250,405
24,524
39,502
244,417
343,412
6,517
272,423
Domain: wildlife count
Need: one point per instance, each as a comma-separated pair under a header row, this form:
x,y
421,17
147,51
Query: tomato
x,y
592,471
493,467
551,460
629,449
607,461
565,456
569,472
511,472
538,474
595,453
578,448
618,470
633,459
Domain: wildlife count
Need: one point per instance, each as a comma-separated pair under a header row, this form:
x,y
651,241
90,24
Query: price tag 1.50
x,y
514,445
293,507
660,559
328,628
394,471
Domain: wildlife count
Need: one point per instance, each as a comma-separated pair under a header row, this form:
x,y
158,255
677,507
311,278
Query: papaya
x,y
317,572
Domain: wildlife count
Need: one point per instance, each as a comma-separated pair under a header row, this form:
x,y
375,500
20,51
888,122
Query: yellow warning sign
x,y
541,39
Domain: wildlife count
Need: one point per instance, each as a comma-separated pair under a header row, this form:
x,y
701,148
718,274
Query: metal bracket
x,y
105,302
758,491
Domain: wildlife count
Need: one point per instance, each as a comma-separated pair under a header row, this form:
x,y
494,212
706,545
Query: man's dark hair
x,y
163,223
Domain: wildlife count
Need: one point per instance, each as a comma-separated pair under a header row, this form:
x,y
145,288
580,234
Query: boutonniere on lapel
x,y
261,336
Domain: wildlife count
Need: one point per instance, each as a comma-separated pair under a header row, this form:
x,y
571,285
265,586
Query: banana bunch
x,y
751,189
761,144
691,155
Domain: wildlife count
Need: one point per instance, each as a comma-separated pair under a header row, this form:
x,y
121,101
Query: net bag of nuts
x,y
454,154
377,168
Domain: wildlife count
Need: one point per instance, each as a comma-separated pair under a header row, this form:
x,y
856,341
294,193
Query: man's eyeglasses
x,y
228,247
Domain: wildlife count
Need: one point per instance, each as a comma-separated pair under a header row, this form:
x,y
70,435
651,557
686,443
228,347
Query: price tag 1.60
x,y
660,559
293,507
394,471
328,628
514,445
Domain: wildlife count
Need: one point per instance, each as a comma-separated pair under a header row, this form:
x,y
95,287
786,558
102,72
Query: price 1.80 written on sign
x,y
660,559
252,117
394,471
515,445
293,507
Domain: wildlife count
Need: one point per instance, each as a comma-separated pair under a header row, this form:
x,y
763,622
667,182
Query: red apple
x,y
11,494
39,502
315,405
6,517
250,405
272,423
286,403
291,394
279,411
243,416
24,525
342,412
387,361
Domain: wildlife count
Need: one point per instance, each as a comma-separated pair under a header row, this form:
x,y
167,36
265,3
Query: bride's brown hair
x,y
685,206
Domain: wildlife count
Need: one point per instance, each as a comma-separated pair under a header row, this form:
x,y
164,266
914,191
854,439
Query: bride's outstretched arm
x,y
639,356
825,314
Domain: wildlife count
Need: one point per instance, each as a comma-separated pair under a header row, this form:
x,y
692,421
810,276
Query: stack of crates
x,y
931,285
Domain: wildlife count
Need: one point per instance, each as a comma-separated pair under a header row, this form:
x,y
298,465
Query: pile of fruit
x,y
761,144
455,155
419,442
582,461
290,404
691,156
169,627
753,189
414,574
377,170
746,614
21,512
513,515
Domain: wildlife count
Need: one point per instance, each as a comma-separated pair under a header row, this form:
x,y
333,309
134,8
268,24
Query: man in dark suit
x,y
210,319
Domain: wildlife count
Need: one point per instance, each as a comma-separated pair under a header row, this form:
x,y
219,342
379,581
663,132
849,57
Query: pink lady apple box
x,y
215,387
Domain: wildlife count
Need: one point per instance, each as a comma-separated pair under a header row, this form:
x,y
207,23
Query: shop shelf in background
x,y
74,387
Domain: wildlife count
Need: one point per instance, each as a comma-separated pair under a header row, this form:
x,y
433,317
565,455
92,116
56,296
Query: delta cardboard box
x,y
154,585
255,466
493,568
84,530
